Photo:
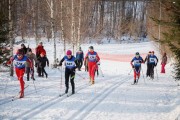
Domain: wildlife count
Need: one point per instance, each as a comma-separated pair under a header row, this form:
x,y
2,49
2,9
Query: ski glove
x,y
60,64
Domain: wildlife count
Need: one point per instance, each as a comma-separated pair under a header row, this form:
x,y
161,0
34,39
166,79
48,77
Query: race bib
x,y
152,60
136,62
92,57
19,64
70,64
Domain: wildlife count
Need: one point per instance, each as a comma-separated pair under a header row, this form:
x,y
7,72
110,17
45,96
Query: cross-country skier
x,y
70,66
153,60
136,65
93,58
19,62
80,58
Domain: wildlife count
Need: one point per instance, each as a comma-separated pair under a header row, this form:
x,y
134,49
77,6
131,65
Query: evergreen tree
x,y
172,36
4,53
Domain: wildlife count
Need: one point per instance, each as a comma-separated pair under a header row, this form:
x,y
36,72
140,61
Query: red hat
x,y
69,52
43,53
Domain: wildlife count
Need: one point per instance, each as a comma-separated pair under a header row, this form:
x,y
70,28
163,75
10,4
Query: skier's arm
x,y
29,61
47,61
60,63
97,58
76,62
132,63
86,57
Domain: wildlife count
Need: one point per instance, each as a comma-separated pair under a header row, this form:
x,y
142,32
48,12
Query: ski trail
x,y
39,108
87,108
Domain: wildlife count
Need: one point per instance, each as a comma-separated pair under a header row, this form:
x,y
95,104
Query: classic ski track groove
x,y
9,99
42,106
80,115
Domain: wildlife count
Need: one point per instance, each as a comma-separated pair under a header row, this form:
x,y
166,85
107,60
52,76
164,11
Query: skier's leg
x,y
44,72
81,63
72,82
93,72
89,70
28,72
67,80
21,73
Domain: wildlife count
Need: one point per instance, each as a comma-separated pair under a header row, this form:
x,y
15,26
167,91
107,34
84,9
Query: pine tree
x,y
172,36
4,53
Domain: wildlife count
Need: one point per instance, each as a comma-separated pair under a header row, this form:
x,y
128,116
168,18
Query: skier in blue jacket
x,y
70,66
153,60
136,65
80,58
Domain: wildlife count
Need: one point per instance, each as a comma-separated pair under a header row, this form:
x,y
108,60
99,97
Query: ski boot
x,y
21,95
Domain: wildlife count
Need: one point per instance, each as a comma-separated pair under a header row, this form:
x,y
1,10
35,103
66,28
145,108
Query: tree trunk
x,y
11,36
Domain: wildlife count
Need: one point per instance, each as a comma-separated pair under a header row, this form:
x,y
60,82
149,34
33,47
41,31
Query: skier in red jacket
x,y
93,58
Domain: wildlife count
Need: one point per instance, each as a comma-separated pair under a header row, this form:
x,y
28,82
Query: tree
x,y
171,35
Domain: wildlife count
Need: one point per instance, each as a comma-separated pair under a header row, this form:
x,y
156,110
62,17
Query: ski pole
x,y
157,74
80,76
5,87
61,79
143,76
34,86
101,71
130,71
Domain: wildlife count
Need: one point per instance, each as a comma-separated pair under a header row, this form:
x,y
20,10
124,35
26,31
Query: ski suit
x,y
70,66
93,58
163,63
80,58
136,64
153,60
20,69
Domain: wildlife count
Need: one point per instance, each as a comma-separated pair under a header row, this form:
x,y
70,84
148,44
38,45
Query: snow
x,y
112,97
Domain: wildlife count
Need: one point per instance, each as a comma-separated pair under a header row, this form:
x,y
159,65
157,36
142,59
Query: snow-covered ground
x,y
111,98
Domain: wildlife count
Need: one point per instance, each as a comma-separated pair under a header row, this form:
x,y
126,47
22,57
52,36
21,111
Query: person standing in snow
x,y
33,59
41,64
24,49
19,62
40,49
93,58
153,60
70,66
136,65
163,63
148,64
80,58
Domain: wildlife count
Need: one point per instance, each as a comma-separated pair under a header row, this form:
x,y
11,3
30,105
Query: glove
x,y
60,64
155,65
132,66
98,63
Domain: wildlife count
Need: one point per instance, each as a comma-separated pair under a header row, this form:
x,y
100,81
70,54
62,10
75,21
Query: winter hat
x,y
20,52
137,53
91,47
29,50
69,52
43,53
22,45
40,43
